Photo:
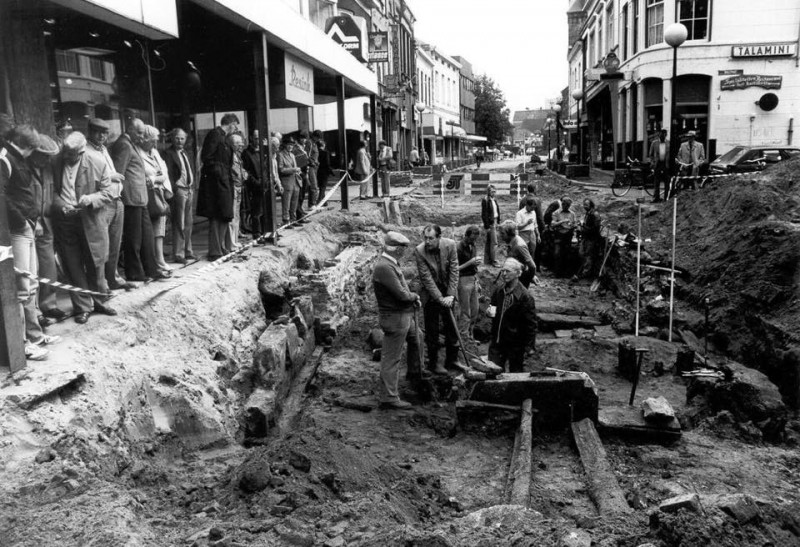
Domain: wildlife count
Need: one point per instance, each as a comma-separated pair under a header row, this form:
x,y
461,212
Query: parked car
x,y
742,159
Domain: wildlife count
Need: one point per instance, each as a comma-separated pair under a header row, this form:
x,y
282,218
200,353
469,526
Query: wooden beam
x,y
603,486
518,484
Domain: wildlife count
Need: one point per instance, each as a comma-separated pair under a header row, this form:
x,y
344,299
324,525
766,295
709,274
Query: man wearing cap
x,y
437,265
659,155
691,154
115,211
513,313
81,192
396,305
42,170
180,169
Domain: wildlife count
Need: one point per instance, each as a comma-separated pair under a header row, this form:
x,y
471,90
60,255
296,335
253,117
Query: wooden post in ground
x,y
518,484
603,486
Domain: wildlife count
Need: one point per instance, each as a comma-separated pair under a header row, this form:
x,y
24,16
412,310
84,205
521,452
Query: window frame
x,y
707,19
635,26
650,7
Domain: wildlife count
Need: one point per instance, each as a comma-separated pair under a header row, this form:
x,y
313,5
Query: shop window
x,y
694,14
67,61
654,17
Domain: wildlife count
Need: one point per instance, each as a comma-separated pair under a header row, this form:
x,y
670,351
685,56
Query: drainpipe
x,y
791,130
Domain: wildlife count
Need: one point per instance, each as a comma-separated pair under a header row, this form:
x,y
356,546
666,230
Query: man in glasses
x,y
513,313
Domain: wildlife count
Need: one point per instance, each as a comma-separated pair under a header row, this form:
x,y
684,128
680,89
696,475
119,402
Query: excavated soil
x,y
343,476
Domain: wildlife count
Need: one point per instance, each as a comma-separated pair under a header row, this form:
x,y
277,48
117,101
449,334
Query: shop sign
x,y
299,80
391,84
378,47
569,124
731,72
344,30
764,50
751,80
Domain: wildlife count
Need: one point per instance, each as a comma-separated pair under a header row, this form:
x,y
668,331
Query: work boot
x,y
451,357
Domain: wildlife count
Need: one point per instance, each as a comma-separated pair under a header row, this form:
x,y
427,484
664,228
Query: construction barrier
x,y
699,179
506,184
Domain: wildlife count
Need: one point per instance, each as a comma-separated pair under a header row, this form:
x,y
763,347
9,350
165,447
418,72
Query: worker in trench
x,y
397,310
513,313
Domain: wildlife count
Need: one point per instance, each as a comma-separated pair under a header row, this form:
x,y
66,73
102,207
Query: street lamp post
x,y
557,110
549,122
420,108
578,95
674,35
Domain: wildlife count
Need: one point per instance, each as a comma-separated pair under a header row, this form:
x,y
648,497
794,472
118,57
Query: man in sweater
x,y
396,305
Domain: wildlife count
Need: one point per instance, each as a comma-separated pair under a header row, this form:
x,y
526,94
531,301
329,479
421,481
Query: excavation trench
x,y
241,410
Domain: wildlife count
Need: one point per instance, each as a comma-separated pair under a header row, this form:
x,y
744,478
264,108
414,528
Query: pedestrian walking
x,y
490,214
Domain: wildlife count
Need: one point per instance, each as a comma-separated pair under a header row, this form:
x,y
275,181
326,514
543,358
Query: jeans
x,y
468,300
490,248
397,328
23,245
138,244
45,255
182,219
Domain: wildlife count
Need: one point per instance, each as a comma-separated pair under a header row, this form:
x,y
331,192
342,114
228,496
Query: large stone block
x,y
259,413
191,416
270,356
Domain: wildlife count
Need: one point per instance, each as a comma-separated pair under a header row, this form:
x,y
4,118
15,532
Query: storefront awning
x,y
155,19
474,138
298,36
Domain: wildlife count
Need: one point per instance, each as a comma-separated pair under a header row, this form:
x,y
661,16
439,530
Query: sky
x,y
520,44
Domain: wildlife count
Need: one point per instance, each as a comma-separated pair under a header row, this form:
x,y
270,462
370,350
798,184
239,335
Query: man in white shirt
x,y
527,224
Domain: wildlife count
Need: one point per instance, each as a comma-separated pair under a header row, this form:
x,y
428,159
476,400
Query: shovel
x,y
596,282
460,341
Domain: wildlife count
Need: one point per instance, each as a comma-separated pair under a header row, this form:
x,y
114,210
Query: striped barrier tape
x,y
61,286
674,180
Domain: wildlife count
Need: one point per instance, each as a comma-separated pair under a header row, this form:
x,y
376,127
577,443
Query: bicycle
x,y
636,174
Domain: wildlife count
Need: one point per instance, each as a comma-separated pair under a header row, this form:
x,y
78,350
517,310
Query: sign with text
x,y
344,30
378,47
391,83
751,80
731,72
764,50
298,80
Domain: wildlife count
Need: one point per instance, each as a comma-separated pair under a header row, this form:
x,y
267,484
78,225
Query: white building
x,y
739,58
442,122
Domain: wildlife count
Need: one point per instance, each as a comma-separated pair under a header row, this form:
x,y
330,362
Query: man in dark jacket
x,y
513,313
396,305
215,195
180,169
490,214
591,240
255,183
437,265
324,168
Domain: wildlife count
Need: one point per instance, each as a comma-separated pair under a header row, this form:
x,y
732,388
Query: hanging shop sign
x,y
378,47
298,80
751,80
731,72
349,33
392,87
764,50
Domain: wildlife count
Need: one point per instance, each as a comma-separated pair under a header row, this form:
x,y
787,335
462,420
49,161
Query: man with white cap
x,y
513,313
396,305
692,154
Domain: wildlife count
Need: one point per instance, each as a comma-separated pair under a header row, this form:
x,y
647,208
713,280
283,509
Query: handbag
x,y
156,202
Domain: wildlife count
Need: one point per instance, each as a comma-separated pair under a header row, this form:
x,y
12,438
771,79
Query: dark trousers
x,y
398,328
77,262
301,196
502,354
435,313
490,247
322,184
562,247
138,244
660,173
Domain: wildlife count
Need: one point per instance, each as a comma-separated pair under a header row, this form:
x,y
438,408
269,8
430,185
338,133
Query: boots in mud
x,y
433,361
414,369
451,358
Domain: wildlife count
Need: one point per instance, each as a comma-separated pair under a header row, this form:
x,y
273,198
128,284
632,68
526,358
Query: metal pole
x,y
672,273
342,138
150,82
673,119
580,136
638,266
262,123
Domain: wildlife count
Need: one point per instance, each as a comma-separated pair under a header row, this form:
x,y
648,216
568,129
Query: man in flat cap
x,y
115,211
513,313
396,305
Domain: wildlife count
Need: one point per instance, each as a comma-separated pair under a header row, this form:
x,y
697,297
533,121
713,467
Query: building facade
x,y
467,108
443,120
737,73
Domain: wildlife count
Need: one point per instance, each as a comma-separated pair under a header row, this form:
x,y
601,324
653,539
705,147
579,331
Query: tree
x,y
492,116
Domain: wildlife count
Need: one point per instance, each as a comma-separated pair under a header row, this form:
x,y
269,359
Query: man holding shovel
x,y
513,313
396,308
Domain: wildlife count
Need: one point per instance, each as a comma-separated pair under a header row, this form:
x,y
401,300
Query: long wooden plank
x,y
518,484
603,486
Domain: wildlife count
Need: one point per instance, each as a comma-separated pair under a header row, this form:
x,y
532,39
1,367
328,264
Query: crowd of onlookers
x,y
96,216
